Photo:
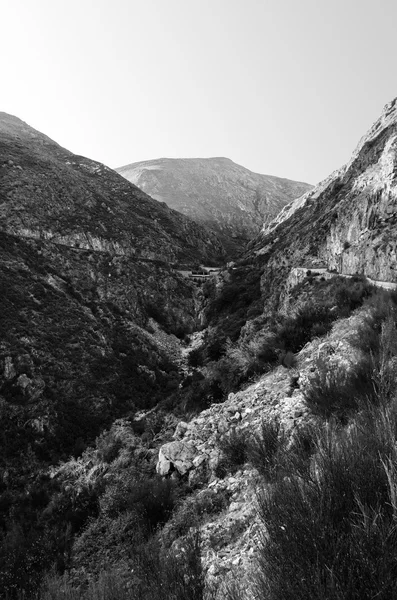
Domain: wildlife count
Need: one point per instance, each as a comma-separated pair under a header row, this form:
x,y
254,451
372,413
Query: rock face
x,y
231,200
348,222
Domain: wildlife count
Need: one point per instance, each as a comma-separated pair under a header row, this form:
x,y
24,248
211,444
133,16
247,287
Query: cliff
x,y
347,222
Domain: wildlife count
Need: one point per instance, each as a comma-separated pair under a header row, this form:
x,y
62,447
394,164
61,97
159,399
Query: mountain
x,y
228,198
348,221
306,314
112,482
48,193
88,293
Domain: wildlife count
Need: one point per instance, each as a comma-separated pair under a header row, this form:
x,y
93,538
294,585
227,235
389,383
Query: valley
x,y
176,424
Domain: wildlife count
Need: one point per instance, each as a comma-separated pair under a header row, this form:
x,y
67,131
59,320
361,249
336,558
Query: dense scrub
x,y
91,525
72,360
330,515
239,346
96,515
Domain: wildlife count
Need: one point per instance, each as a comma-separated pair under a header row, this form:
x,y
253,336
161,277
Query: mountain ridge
x,y
40,185
228,198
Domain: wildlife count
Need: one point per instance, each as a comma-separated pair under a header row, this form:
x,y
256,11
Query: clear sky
x,y
283,87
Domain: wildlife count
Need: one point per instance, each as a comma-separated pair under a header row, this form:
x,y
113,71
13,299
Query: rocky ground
x,y
231,538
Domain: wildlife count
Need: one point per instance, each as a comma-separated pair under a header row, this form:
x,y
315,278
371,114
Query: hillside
x,y
231,200
85,263
254,458
345,225
90,310
347,222
300,457
48,193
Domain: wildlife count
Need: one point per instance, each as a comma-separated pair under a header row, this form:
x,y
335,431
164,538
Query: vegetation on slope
x,y
96,518
243,342
329,515
49,192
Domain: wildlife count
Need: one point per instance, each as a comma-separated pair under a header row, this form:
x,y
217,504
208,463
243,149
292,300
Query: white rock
x,y
177,454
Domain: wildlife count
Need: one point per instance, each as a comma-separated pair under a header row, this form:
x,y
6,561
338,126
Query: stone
x,y
198,460
215,456
236,417
180,430
175,455
223,425
24,381
9,369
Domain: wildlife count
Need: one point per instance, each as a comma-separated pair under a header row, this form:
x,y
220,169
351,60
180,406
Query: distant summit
x,y
54,195
230,199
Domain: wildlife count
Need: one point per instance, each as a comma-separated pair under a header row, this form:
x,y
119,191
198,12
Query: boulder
x,y
175,456
180,430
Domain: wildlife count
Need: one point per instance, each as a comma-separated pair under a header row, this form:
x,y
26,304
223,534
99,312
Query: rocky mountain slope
x,y
228,198
346,225
348,221
48,193
284,360
84,265
232,538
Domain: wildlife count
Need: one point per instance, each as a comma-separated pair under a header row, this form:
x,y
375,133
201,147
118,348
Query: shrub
x,y
192,511
151,498
335,390
234,448
196,357
351,293
310,320
263,449
152,575
288,359
330,531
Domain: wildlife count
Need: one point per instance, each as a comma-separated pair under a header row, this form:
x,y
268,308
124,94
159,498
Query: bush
x,y
196,357
335,390
192,511
152,575
263,449
330,532
234,448
351,293
152,499
310,320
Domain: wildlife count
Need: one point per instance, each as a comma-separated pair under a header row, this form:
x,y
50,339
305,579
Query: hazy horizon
x,y
284,89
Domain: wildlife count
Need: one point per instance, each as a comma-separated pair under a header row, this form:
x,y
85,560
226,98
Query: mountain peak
x,y
223,195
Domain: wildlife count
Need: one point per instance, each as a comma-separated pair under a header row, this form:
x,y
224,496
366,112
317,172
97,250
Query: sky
x,y
282,87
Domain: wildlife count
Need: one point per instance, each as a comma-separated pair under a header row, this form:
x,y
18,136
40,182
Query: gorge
x,y
232,439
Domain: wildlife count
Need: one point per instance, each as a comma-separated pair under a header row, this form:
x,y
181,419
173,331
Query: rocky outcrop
x,y
175,455
348,221
231,200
